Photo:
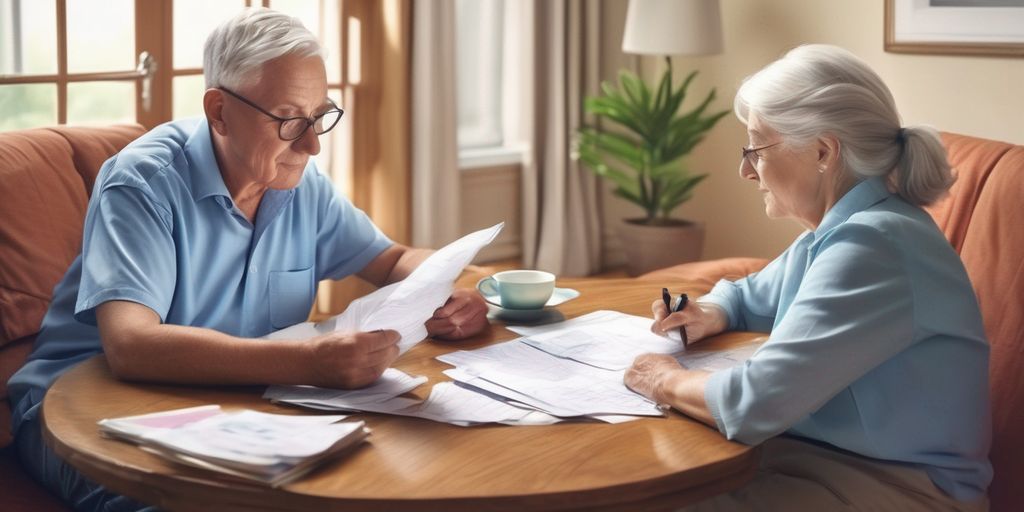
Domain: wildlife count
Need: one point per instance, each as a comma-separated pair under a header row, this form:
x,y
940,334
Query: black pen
x,y
683,299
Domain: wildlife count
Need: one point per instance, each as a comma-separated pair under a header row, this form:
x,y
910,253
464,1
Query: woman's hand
x,y
699,320
463,316
650,376
348,360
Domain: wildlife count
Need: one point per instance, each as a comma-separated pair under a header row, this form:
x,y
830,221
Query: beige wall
x,y
972,95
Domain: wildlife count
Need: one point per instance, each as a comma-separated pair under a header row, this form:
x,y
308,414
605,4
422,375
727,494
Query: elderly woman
x,y
872,391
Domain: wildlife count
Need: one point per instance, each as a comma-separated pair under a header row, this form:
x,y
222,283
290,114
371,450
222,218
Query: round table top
x,y
412,463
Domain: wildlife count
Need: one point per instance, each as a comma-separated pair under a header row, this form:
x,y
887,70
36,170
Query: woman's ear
x,y
213,106
828,152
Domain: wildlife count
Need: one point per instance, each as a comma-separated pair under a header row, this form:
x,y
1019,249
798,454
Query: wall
x,y
973,95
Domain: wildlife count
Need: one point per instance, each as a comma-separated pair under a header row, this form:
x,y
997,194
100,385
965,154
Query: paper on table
x,y
700,358
555,385
392,383
605,339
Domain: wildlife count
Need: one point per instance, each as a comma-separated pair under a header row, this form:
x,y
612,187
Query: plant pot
x,y
650,247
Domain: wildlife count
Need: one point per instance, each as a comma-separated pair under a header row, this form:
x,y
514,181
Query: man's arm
x,y
139,347
393,264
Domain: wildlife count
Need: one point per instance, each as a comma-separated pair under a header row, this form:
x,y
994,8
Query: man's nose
x,y
308,143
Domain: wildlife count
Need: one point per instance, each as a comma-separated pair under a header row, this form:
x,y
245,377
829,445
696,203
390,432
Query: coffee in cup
x,y
519,289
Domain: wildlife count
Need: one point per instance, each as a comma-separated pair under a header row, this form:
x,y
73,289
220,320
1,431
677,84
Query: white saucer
x,y
542,315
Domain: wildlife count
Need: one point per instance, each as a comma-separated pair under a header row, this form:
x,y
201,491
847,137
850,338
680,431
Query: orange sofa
x,y
983,218
46,176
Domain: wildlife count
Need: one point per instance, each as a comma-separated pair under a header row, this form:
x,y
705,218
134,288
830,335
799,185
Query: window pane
x,y
193,21
188,96
27,106
101,102
478,58
28,37
324,24
101,35
336,149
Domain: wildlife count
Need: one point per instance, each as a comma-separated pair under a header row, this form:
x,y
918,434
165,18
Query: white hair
x,y
821,89
235,52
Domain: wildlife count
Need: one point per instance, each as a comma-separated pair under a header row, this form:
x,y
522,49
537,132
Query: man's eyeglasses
x,y
751,154
291,128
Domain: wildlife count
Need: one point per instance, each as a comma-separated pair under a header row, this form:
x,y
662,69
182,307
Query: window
x,y
122,61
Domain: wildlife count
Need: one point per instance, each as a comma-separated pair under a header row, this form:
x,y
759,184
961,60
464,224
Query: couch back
x,y
46,176
983,217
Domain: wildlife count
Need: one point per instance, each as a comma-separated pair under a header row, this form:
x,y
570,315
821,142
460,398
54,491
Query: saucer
x,y
546,314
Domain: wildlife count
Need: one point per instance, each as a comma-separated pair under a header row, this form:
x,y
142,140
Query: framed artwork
x,y
955,27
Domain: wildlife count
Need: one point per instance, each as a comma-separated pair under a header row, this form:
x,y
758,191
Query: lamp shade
x,y
673,27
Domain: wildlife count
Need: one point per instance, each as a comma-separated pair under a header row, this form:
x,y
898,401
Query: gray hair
x,y
235,52
818,89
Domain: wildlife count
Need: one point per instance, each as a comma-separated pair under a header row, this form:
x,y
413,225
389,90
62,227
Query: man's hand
x,y
463,316
349,360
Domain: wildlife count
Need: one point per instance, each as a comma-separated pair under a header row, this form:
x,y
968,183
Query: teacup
x,y
519,289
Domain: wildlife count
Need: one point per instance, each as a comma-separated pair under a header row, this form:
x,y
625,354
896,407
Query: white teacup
x,y
519,289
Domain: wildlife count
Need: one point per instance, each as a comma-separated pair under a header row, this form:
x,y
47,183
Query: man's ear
x,y
213,106
828,151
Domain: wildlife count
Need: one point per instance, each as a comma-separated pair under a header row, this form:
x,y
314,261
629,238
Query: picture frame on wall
x,y
955,27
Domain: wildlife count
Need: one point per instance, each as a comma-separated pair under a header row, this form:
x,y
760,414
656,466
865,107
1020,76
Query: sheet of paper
x,y
392,383
406,305
700,358
605,339
555,385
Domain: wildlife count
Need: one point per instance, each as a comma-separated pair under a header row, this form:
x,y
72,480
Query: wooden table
x,y
416,464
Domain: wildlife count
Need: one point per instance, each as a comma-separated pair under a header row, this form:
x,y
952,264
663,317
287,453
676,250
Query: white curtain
x,y
435,163
561,201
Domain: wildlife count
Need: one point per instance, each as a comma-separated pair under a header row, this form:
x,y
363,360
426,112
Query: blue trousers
x,y
65,481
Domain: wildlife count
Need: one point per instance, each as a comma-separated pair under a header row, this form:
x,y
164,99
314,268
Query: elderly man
x,y
203,235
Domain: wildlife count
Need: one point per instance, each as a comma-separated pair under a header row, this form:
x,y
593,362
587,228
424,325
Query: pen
x,y
683,299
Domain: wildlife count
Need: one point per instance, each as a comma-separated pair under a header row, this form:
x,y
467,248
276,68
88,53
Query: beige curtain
x,y
435,163
561,201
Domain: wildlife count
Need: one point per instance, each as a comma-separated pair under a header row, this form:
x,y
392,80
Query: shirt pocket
x,y
290,296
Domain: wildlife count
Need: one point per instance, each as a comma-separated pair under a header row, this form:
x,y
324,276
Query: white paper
x,y
392,383
700,358
605,339
551,384
404,306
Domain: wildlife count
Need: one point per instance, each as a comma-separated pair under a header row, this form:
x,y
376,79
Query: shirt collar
x,y
862,196
204,172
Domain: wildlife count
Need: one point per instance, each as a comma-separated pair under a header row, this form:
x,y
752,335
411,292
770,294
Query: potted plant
x,y
645,159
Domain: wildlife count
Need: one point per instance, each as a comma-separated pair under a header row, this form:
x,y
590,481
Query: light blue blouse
x,y
876,346
162,230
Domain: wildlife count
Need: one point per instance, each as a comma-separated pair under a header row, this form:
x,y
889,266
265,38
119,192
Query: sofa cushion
x,y
43,207
12,356
706,273
91,146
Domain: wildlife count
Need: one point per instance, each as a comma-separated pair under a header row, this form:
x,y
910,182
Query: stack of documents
x,y
274,449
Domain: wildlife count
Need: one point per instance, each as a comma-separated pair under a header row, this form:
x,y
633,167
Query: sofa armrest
x,y
707,273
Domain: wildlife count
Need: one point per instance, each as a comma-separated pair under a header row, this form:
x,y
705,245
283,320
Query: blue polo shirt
x,y
876,346
162,230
